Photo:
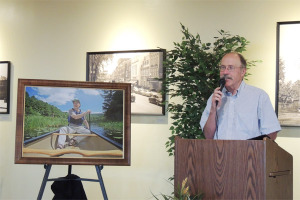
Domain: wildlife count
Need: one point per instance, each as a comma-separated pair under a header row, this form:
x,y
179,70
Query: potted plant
x,y
192,74
182,193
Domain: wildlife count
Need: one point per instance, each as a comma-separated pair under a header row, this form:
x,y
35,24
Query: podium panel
x,y
234,169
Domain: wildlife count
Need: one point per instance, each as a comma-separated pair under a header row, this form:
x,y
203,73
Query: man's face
x,y
234,71
76,104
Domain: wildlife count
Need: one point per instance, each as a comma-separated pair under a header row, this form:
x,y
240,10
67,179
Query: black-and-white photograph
x,y
142,68
4,87
288,70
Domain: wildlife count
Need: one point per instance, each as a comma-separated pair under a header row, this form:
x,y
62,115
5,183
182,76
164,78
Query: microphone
x,y
222,83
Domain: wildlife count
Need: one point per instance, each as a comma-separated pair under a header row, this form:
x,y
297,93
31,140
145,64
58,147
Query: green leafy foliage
x,y
192,74
113,105
181,193
36,125
41,117
33,106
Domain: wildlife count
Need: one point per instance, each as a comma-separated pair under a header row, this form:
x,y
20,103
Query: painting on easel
x,y
67,122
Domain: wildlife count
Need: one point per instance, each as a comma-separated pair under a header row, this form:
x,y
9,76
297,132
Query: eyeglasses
x,y
229,68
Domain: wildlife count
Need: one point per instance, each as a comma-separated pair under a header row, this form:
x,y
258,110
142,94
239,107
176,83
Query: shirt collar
x,y
240,89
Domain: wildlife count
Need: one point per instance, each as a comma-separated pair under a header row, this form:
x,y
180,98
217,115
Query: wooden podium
x,y
234,169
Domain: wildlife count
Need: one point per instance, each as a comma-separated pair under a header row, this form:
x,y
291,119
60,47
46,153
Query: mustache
x,y
226,77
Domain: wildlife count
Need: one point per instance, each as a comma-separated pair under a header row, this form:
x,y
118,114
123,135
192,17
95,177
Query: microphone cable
x,y
217,124
222,83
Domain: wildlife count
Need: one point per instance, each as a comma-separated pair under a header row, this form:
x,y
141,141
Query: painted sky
x,y
90,99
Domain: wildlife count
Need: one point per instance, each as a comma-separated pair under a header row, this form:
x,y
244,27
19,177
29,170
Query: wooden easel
x,y
47,172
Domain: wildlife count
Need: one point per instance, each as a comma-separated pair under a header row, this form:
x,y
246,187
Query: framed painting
x,y
4,87
143,69
287,73
68,122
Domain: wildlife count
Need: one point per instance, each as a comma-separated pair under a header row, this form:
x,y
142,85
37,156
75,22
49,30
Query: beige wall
x,y
48,39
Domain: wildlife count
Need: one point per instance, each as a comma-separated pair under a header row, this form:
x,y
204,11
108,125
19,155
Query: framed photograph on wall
x,y
4,87
143,69
287,73
68,122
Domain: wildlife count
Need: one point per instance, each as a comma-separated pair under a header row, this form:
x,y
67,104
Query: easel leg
x,y
98,169
47,172
69,169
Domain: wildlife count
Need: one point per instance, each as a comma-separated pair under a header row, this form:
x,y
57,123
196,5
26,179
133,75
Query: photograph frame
x,y
287,102
5,69
111,157
144,70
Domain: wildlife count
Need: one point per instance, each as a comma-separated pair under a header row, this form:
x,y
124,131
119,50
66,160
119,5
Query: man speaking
x,y
238,111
